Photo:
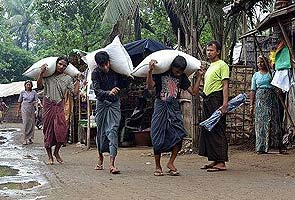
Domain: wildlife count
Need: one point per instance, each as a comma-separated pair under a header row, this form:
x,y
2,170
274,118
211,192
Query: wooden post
x,y
187,39
79,118
88,124
195,99
178,39
286,38
244,39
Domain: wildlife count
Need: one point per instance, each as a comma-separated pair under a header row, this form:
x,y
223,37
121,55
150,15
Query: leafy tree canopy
x,y
69,25
13,59
13,62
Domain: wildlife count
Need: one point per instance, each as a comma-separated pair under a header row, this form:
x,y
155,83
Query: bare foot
x,y
114,170
158,172
210,165
58,158
99,166
50,161
170,166
220,165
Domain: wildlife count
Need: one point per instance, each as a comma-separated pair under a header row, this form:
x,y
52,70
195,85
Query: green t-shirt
x,y
215,74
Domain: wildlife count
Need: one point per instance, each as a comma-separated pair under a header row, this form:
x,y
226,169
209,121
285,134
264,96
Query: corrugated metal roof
x,y
13,88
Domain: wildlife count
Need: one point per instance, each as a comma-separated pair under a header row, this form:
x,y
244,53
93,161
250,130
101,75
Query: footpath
x,y
249,176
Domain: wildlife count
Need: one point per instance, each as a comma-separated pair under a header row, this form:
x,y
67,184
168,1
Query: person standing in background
x,y
3,108
213,144
28,106
264,103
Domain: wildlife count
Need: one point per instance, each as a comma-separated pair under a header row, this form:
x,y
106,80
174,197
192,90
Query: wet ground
x,y
20,174
24,175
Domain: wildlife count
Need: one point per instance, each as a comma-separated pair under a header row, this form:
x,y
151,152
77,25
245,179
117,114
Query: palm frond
x,y
117,10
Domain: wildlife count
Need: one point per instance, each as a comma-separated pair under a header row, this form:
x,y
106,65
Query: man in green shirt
x,y
213,144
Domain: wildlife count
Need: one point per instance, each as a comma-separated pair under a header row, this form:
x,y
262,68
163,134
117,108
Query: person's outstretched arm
x,y
195,89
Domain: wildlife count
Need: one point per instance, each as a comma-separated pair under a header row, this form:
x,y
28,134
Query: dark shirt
x,y
168,85
103,83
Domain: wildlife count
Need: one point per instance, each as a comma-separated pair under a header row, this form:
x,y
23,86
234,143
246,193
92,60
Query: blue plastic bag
x,y
215,117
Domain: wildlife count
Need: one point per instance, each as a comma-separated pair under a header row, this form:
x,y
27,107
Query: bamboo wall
x,y
239,122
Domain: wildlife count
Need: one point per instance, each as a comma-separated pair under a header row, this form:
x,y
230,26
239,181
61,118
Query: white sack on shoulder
x,y
71,70
119,58
164,59
35,69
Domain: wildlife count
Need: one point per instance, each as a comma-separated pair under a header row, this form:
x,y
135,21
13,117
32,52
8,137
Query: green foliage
x,y
117,10
69,25
157,18
21,19
13,62
13,59
206,35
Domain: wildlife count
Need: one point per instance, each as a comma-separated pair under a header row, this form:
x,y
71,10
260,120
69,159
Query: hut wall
x,y
266,44
10,115
239,123
187,111
129,98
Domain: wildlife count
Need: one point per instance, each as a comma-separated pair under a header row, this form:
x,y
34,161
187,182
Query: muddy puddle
x,y
21,175
18,186
2,139
8,171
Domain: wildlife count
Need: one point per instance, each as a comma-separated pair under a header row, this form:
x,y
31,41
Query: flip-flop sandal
x,y
283,152
49,163
158,173
207,167
114,171
216,169
171,172
98,167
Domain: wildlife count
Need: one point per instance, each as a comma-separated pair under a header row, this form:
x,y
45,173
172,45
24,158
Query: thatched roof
x,y
13,88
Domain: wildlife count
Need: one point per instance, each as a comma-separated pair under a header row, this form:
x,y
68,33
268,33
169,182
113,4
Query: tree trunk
x,y
176,23
117,30
27,40
137,25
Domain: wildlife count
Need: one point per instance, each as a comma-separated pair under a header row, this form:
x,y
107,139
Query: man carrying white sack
x,y
53,117
167,129
107,85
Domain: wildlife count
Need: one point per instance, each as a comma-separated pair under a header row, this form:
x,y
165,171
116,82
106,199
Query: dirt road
x,y
249,176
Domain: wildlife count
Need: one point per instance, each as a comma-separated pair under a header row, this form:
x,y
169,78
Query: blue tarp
x,y
139,49
143,46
